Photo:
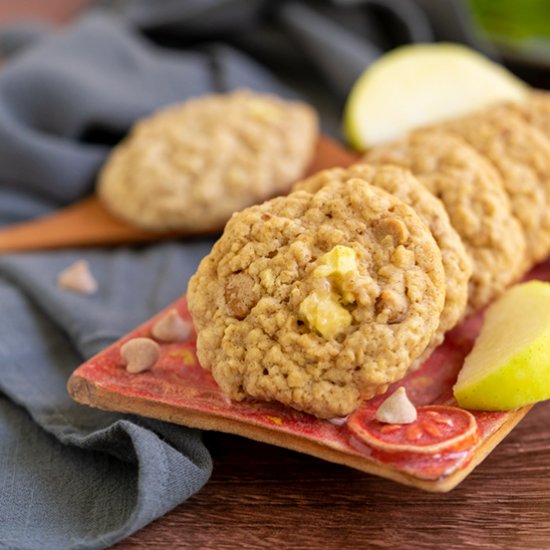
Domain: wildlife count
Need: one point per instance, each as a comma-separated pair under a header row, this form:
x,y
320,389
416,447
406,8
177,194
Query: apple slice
x,y
422,84
509,365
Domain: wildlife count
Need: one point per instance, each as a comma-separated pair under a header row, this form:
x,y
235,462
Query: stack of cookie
x,y
323,298
491,171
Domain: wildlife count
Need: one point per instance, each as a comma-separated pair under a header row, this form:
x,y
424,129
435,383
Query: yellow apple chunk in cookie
x,y
509,365
323,309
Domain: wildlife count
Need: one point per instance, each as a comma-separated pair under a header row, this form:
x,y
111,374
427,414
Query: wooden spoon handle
x,y
85,223
89,223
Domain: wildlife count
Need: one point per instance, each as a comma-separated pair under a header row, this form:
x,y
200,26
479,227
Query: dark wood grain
x,y
261,496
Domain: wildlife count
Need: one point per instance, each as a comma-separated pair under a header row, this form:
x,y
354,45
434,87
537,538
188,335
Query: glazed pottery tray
x,y
178,390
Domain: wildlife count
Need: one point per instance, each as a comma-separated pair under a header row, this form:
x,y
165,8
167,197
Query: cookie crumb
x,y
396,409
171,328
140,354
78,278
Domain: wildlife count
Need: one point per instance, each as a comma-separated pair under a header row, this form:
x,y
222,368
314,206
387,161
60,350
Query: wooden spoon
x,y
89,223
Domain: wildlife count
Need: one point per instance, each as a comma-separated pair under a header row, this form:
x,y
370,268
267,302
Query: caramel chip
x,y
396,409
171,328
78,278
140,354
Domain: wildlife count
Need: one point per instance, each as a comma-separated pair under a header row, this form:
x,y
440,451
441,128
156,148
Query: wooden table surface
x,y
261,496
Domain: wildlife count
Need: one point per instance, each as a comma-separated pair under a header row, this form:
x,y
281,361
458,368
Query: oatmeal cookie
x,y
318,300
190,166
535,111
473,195
403,185
521,154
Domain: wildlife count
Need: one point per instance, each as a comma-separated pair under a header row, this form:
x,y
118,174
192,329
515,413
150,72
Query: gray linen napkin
x,y
70,476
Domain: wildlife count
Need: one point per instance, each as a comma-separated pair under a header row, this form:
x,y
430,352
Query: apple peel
x,y
509,365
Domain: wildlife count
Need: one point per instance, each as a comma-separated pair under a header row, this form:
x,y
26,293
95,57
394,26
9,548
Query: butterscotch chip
x,y
393,227
473,195
397,409
171,328
341,308
78,278
140,354
521,155
241,294
456,262
191,165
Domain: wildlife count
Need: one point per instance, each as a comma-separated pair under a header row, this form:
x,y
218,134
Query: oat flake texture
x,y
456,262
246,295
474,197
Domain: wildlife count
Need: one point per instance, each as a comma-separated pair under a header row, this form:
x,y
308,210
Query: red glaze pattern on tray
x,y
178,380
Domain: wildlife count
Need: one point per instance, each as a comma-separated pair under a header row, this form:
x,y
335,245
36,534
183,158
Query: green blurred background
x,y
519,28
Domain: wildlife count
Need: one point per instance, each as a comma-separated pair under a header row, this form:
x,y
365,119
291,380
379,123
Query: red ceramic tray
x,y
178,390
